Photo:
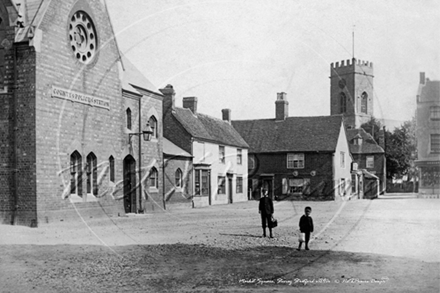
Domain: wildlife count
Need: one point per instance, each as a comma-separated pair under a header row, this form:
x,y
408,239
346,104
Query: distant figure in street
x,y
306,226
265,208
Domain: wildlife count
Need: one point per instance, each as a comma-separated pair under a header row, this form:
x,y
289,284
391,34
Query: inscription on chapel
x,y
80,98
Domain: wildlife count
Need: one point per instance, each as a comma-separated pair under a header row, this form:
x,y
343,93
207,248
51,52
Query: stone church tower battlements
x,y
352,91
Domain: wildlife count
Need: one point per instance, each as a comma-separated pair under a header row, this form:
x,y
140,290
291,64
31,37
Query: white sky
x,y
239,54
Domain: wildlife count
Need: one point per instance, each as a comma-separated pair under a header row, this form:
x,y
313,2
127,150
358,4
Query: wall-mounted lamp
x,y
145,133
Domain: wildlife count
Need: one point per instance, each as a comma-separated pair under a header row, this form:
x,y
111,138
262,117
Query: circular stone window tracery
x,y
82,36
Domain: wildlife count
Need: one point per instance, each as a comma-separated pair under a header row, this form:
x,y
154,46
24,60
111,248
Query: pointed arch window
x,y
111,162
153,125
2,52
128,117
179,176
364,103
154,178
76,173
92,174
343,103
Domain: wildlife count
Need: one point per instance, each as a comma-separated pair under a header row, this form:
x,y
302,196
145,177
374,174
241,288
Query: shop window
x,y
239,185
239,158
111,162
221,154
370,162
153,125
299,185
295,161
76,174
201,180
128,117
343,103
92,174
178,177
221,185
435,143
154,178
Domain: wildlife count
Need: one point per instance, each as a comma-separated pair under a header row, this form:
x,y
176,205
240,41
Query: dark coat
x,y
306,224
266,206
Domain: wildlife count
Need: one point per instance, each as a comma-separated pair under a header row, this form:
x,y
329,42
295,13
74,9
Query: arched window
x,y
75,173
179,176
153,126
128,114
364,103
111,162
343,103
154,178
2,51
92,174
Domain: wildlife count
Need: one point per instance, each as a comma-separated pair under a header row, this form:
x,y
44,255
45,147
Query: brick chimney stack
x,y
422,78
281,107
190,103
226,114
168,99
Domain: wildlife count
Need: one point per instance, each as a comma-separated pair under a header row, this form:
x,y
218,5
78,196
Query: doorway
x,y
129,184
230,193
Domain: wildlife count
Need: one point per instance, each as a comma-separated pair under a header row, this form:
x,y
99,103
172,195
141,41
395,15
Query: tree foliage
x,y
400,145
401,149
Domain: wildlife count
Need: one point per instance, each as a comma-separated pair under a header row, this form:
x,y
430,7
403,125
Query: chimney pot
x,y
226,114
168,100
281,107
190,103
422,78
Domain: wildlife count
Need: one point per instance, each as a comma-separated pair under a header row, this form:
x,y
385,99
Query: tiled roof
x,y
369,145
295,134
208,128
171,149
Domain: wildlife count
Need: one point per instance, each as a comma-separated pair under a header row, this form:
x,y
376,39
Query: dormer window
x,y
357,140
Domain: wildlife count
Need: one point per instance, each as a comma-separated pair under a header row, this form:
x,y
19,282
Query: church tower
x,y
351,91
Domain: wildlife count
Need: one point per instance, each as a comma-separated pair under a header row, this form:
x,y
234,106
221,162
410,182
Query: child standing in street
x,y
306,226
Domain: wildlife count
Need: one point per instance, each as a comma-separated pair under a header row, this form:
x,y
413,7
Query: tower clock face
x,y
82,35
342,83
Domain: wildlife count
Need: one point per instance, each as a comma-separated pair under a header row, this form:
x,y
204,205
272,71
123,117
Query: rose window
x,y
82,36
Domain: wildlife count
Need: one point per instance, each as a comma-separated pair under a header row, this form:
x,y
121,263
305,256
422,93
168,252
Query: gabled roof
x,y
294,134
207,128
171,149
132,78
368,146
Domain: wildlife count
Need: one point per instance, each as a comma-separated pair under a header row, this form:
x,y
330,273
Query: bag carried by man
x,y
273,222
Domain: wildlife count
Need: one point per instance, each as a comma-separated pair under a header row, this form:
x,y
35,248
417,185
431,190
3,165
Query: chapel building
x,y
73,116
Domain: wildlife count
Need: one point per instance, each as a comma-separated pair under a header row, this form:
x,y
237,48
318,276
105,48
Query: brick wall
x,y
182,196
321,183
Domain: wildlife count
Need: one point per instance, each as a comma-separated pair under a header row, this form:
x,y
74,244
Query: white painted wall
x,y
208,153
342,172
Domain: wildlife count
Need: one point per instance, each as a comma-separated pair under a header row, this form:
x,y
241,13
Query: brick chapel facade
x,y
66,117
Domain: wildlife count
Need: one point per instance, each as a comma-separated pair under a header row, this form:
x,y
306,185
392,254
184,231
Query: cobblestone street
x,y
387,245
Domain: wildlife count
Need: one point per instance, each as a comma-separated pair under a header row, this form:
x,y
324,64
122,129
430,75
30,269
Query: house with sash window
x,y
304,158
219,153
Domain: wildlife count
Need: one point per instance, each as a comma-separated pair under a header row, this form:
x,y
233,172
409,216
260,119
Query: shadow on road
x,y
205,268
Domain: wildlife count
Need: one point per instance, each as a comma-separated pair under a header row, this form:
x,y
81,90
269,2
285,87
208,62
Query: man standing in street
x,y
265,208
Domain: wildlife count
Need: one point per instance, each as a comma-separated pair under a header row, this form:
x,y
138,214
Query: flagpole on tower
x,y
352,42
